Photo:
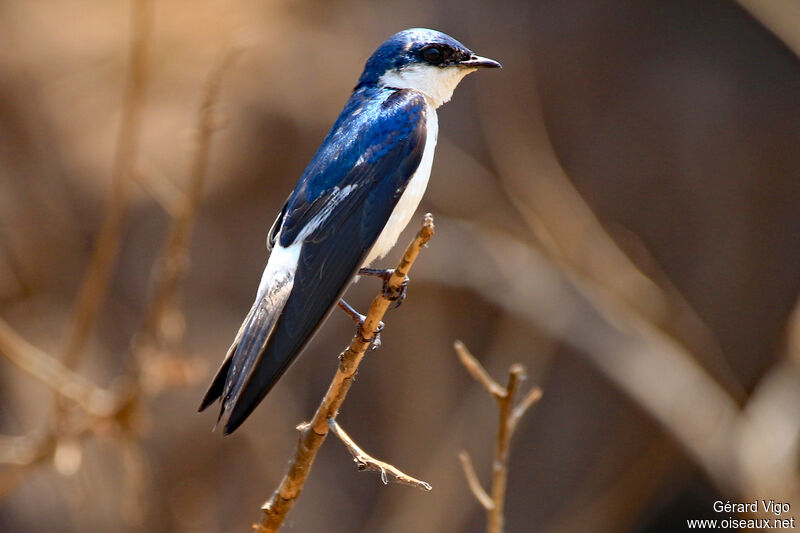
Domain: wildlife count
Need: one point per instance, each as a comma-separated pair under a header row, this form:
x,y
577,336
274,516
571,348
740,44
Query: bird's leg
x,y
359,319
396,296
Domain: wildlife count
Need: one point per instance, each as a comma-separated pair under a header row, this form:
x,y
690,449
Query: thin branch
x,y
637,356
367,462
477,371
474,483
18,450
533,396
95,282
509,418
312,435
28,452
173,264
15,472
161,189
54,374
23,453
500,465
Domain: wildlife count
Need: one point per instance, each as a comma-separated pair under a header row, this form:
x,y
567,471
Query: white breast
x,y
412,195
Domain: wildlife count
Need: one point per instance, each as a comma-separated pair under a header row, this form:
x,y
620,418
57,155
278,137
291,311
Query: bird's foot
x,y
393,295
359,319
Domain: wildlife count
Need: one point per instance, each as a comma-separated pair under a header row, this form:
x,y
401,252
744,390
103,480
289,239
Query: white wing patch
x,y
336,197
280,269
282,262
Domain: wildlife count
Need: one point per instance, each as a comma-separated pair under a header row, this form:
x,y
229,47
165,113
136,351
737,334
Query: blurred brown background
x,y
618,209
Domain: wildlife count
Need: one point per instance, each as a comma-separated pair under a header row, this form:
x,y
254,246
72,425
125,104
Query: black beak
x,y
480,62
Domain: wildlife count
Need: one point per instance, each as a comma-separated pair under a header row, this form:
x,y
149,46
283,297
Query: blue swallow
x,y
348,209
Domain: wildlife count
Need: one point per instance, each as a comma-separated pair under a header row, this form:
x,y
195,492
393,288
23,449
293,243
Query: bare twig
x,y
533,396
509,418
120,408
367,462
477,371
474,483
500,463
18,450
53,373
173,263
24,453
58,374
313,434
160,188
637,357
154,340
95,282
21,462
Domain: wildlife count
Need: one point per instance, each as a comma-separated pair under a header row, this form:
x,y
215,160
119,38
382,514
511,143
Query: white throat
x,y
436,83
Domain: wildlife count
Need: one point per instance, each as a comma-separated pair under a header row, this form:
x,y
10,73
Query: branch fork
x,y
510,415
366,462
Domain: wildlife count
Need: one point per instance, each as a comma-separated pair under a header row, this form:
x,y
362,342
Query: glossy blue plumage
x,y
403,48
390,134
374,147
368,146
338,211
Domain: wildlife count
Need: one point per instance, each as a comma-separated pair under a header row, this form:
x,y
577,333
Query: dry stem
x,y
95,282
118,406
313,434
367,462
474,483
174,260
510,415
53,373
56,373
477,371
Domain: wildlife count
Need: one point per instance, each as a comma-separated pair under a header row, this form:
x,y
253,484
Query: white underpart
x,y
407,205
280,268
436,83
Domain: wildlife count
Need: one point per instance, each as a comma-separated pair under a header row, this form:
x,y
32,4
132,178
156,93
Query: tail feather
x,y
248,348
255,334
284,344
218,384
299,288
215,389
249,351
313,298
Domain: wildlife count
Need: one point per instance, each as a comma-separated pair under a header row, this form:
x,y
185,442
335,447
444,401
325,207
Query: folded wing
x,y
329,224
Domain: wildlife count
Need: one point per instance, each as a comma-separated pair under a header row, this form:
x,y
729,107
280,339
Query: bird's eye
x,y
433,55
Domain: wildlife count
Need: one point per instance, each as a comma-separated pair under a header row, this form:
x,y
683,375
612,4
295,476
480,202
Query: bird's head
x,y
425,60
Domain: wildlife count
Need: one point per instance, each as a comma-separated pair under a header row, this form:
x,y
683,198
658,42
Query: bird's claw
x,y
359,320
396,296
376,339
